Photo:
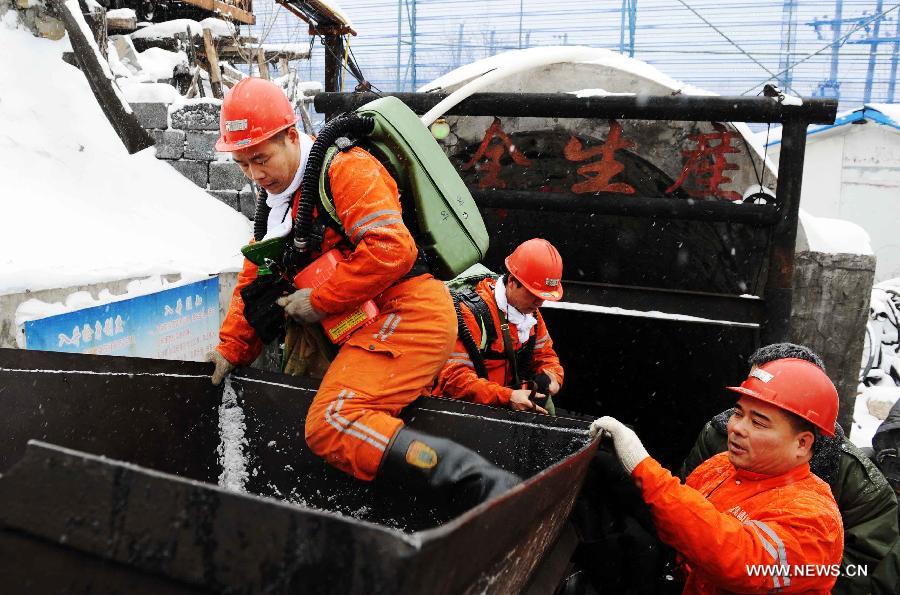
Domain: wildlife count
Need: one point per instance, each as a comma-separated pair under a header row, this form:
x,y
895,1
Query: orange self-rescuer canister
x,y
338,327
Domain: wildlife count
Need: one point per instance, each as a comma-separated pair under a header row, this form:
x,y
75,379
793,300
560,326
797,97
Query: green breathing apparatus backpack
x,y
438,209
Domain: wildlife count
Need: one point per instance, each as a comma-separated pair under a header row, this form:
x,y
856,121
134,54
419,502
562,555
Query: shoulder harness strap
x,y
326,214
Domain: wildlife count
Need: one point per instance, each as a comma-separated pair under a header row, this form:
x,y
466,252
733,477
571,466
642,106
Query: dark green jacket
x,y
867,503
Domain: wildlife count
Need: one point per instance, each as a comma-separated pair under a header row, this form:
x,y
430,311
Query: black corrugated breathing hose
x,y
468,340
261,217
350,125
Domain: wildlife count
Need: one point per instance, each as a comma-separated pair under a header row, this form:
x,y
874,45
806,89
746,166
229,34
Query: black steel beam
x,y
779,282
669,208
715,306
641,107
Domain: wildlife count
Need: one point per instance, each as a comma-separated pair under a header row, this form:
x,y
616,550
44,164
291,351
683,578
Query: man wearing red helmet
x,y
754,518
515,348
353,421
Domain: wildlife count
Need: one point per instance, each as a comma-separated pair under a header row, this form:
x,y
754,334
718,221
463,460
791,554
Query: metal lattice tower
x,y
406,14
628,24
788,38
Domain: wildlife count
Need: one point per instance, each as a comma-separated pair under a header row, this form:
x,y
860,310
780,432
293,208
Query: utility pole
x,y
833,84
407,9
521,3
399,41
457,62
873,41
873,52
788,35
893,80
412,50
628,22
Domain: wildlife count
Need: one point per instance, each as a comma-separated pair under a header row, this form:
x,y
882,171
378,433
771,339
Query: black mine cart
x,y
110,482
672,277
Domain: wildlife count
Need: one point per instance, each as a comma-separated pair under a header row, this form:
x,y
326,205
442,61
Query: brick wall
x,y
185,137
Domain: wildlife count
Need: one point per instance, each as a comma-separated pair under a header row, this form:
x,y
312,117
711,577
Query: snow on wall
x,y
232,440
80,210
834,236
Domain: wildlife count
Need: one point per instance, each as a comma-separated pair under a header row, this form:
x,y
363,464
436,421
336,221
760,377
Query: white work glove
x,y
628,446
298,307
223,366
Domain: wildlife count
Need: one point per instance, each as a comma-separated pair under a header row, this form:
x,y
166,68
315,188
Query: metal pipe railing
x,y
640,107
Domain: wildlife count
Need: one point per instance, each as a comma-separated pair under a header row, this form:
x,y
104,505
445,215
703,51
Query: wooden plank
x,y
123,121
114,24
231,73
234,12
283,65
240,56
215,77
263,65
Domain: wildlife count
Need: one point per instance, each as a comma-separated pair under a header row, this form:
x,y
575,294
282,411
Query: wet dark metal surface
x,y
566,105
87,514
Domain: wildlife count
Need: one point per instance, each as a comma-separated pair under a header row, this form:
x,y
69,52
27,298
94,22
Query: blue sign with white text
x,y
180,323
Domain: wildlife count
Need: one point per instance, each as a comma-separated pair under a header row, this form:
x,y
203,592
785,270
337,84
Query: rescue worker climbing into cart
x,y
353,421
754,518
504,354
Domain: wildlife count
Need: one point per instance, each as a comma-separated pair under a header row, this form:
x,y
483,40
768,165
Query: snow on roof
x,y
80,210
886,114
138,92
559,53
580,54
285,46
157,63
166,29
834,236
121,13
332,8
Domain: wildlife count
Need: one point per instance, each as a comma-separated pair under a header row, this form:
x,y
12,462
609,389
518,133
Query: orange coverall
x,y
458,378
389,363
725,519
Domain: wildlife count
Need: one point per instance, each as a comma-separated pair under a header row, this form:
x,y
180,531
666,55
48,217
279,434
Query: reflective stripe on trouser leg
x,y
377,373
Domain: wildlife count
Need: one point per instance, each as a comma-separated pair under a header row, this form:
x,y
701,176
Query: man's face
x,y
762,439
272,163
520,298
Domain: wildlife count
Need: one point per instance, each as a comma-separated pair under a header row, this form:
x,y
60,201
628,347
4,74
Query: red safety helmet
x,y
797,386
537,265
254,110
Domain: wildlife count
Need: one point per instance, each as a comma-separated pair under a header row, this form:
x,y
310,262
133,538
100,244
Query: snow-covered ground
x,y
79,209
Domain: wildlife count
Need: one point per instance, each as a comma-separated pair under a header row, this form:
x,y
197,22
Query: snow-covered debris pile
x,y
881,352
880,370
79,209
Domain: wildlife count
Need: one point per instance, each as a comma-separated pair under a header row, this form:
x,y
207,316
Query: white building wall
x,y
822,174
870,193
853,173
